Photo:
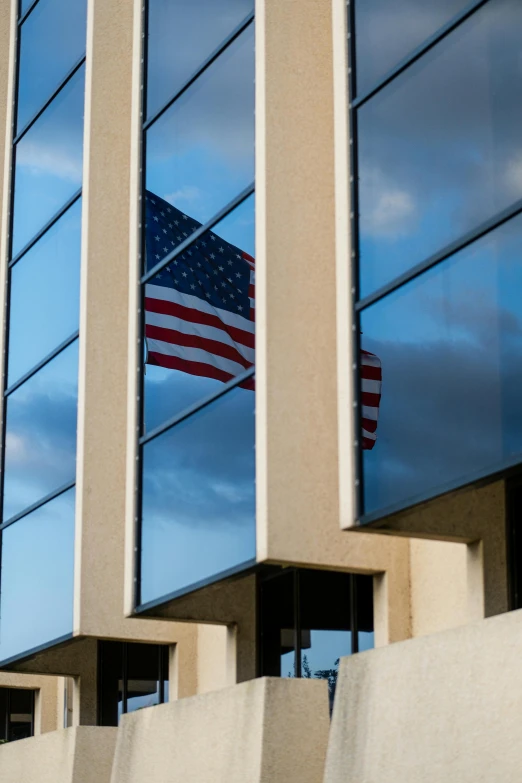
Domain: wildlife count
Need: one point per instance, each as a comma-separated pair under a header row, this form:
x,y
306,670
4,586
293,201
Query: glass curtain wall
x,y
41,363
437,228
197,493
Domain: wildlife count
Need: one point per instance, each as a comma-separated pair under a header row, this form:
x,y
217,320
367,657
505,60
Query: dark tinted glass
x,y
49,163
40,453
198,508
440,149
199,311
21,713
182,34
44,295
143,672
110,682
277,626
200,153
387,32
450,346
36,602
52,40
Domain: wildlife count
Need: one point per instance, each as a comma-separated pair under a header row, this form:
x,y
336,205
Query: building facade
x,y
258,286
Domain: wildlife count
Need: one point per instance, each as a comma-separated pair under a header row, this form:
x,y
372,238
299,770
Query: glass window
x,y
439,148
37,577
16,714
200,153
387,32
44,295
40,454
199,310
49,162
314,609
52,40
182,35
449,344
198,497
25,4
131,677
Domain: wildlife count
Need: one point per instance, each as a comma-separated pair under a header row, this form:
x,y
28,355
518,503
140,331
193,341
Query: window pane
x,y
199,311
52,40
40,454
277,635
37,600
449,344
21,714
182,34
143,688
110,682
200,153
25,5
440,149
44,301
198,507
387,32
49,163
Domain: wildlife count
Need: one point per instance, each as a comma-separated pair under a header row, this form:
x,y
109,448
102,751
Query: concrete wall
x,y
443,707
264,731
80,755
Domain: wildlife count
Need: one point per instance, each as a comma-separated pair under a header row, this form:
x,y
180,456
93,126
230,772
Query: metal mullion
x,y
442,255
125,673
26,13
39,503
197,406
221,215
48,102
419,52
50,356
297,624
354,256
206,64
50,223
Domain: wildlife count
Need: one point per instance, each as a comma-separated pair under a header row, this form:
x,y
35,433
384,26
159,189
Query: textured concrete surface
x,y
440,708
263,731
79,755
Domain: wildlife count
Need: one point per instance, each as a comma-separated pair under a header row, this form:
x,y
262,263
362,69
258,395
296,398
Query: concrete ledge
x,y
440,708
79,755
262,731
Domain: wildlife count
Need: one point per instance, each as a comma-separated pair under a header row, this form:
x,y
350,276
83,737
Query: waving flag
x,y
200,309
371,384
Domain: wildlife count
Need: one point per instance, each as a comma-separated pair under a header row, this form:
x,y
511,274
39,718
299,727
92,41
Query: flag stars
x,y
229,263
193,286
212,256
221,269
184,274
176,222
221,250
238,274
157,238
239,308
156,218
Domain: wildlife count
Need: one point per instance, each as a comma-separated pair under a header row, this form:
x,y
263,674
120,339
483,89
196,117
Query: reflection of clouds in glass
x,y
36,602
52,40
412,22
446,134
199,496
450,344
390,210
44,295
203,146
41,433
49,162
182,34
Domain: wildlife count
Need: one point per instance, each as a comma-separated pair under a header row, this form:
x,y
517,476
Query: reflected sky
x,y
450,344
52,40
412,22
200,153
44,295
440,149
49,158
37,577
182,34
198,509
40,453
169,391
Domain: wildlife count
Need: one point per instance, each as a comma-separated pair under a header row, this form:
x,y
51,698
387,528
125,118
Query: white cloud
x,y
45,160
388,211
188,194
